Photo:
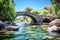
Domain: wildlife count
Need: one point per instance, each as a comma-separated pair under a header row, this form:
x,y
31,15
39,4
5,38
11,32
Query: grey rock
x,y
55,22
12,28
2,25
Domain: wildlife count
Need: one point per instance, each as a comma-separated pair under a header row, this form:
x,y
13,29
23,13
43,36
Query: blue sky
x,y
20,5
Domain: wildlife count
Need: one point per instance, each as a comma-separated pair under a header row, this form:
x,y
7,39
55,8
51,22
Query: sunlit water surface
x,y
29,32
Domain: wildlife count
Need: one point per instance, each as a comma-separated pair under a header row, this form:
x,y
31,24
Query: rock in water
x,y
54,28
12,28
55,22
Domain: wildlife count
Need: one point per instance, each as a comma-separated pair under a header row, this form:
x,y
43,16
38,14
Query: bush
x,y
7,10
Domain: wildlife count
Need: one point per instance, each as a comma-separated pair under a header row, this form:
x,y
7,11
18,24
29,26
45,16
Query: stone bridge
x,y
37,19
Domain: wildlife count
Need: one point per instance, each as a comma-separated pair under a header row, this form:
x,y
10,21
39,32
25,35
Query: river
x,y
29,32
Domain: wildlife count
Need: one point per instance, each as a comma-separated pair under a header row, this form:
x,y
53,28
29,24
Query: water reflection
x,y
21,27
30,32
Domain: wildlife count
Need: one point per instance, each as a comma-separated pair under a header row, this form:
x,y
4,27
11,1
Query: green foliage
x,y
7,10
48,8
23,19
40,12
55,6
36,11
45,12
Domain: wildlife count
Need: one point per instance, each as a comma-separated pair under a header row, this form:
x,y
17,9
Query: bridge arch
x,y
32,16
37,19
46,20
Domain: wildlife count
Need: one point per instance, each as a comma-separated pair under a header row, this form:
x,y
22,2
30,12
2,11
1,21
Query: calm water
x,y
29,32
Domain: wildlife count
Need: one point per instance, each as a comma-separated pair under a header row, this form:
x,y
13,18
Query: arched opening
x,y
32,16
25,19
34,20
46,21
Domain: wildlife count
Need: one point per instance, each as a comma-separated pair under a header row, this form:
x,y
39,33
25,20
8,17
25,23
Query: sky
x,y
20,5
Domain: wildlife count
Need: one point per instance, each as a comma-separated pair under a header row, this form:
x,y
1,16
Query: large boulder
x,y
55,22
12,28
2,25
8,25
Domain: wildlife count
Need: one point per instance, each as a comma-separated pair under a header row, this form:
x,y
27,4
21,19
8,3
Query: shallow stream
x,y
29,32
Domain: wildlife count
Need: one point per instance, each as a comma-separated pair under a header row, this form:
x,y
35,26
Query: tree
x,y
28,9
48,8
45,12
55,6
7,10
